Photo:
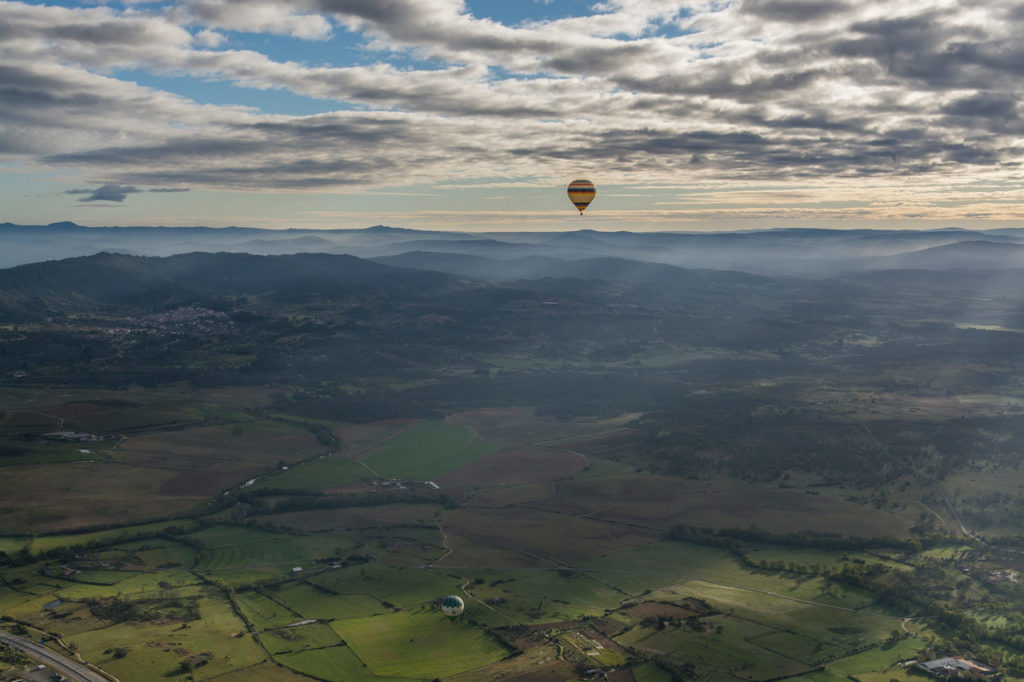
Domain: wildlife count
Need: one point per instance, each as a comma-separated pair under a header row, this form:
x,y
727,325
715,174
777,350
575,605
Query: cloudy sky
x,y
475,114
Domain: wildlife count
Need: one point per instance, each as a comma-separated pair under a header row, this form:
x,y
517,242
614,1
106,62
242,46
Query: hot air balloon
x,y
452,605
581,193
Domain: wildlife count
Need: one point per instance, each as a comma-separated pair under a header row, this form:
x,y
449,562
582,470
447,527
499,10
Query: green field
x,y
428,450
299,638
337,664
314,602
323,473
669,563
422,644
262,611
407,588
232,547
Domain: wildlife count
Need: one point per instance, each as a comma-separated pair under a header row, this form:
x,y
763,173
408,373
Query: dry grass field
x,y
516,465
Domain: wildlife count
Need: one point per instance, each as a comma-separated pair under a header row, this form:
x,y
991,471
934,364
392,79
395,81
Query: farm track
x,y
469,595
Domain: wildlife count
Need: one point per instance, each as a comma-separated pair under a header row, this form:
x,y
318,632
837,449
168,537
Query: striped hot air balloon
x,y
581,193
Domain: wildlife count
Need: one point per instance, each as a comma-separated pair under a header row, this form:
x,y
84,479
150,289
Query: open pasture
x,y
403,545
264,672
240,397
672,563
32,398
406,588
336,664
204,460
12,543
54,452
164,584
159,553
808,557
313,602
155,649
357,517
423,644
508,495
516,464
76,495
522,425
299,638
426,451
43,543
715,655
126,418
558,539
99,577
651,672
356,439
235,547
667,501
264,612
844,630
878,664
29,421
323,473
540,596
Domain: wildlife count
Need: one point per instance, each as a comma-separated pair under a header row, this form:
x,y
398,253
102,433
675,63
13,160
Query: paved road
x,y
61,664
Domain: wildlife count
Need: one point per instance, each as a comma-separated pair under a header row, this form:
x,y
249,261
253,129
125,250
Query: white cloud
x,y
782,89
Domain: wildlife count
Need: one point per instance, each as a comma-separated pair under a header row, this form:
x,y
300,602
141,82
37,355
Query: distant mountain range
x,y
497,256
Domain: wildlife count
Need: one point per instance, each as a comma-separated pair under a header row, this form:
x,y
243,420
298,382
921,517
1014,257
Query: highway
x,y
54,661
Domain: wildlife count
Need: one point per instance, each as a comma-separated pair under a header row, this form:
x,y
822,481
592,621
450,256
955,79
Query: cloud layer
x,y
638,92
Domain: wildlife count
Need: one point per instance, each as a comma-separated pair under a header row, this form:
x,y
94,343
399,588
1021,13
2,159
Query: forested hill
x,y
116,279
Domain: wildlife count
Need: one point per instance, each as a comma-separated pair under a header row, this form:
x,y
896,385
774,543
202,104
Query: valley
x,y
230,467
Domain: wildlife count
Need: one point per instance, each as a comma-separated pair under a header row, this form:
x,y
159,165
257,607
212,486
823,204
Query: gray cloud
x,y
760,88
110,192
796,11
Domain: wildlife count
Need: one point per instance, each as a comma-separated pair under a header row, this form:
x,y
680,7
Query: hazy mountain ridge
x,y
809,252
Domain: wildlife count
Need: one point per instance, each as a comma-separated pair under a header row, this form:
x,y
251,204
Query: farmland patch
x,y
516,464
423,644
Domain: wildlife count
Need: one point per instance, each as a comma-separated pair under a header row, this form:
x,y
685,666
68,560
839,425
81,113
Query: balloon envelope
x,y
452,605
581,193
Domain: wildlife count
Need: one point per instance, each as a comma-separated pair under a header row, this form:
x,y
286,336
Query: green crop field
x,y
427,451
423,644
